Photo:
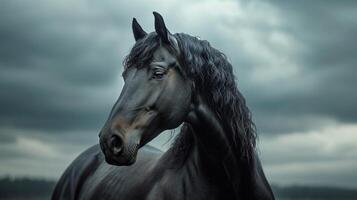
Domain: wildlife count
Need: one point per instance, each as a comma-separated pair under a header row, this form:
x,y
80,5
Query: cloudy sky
x,y
296,64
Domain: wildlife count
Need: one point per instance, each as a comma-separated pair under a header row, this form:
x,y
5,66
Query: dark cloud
x,y
326,60
54,64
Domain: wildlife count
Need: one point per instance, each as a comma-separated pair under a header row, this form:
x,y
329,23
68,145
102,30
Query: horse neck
x,y
204,150
214,151
202,147
210,146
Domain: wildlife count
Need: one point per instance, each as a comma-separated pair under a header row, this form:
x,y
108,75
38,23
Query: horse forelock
x,y
142,52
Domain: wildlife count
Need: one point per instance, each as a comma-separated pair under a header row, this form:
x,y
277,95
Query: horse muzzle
x,y
120,149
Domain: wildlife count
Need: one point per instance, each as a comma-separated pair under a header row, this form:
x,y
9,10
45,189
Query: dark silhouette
x,y
172,79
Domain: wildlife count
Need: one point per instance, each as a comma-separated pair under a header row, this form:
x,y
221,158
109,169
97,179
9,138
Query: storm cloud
x,y
295,63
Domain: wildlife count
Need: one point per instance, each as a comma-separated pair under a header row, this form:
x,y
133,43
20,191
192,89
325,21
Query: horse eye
x,y
158,74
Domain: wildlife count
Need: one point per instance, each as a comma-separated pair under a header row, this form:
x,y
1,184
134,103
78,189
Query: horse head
x,y
156,95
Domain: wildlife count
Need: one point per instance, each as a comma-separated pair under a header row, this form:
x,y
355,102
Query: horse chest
x,y
184,185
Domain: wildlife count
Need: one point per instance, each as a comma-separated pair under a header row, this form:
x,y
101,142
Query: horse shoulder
x,y
71,181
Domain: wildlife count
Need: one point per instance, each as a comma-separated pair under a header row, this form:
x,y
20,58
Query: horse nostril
x,y
116,144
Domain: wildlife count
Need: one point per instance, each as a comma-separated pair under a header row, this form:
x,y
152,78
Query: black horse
x,y
172,80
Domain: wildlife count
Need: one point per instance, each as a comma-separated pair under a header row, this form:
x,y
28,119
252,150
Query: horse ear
x,y
161,29
138,32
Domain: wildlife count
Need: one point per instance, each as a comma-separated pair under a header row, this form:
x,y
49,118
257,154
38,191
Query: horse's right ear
x,y
138,32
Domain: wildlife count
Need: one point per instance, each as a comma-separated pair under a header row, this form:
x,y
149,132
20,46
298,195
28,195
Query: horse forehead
x,y
163,55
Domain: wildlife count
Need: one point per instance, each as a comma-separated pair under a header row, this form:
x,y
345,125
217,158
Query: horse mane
x,y
213,78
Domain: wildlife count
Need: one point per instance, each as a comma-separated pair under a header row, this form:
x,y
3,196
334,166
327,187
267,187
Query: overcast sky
x,y
295,62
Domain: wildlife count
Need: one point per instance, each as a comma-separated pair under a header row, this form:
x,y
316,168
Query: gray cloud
x,y
324,55
55,67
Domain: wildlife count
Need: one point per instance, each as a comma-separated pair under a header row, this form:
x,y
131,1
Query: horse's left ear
x,y
164,34
161,29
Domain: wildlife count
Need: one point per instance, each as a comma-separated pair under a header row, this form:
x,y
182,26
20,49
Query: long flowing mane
x,y
213,78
